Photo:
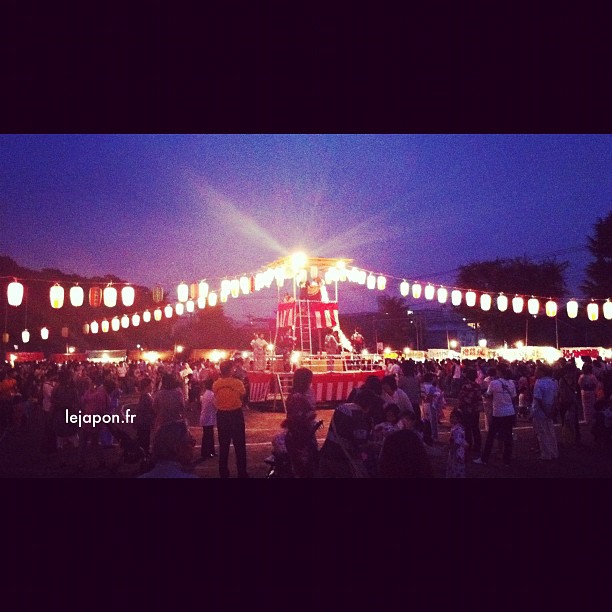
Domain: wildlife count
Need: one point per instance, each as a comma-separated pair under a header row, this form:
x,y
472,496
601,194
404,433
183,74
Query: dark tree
x,y
513,276
598,283
393,323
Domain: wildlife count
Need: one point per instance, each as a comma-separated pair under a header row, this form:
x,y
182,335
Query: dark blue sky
x,y
184,207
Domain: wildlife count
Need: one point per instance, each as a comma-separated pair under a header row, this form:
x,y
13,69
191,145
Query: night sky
x,y
168,208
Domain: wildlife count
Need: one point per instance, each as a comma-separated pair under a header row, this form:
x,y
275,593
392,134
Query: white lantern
x,y
245,284
128,295
136,319
115,324
94,327
235,287
341,271
533,306
363,277
371,282
334,275
456,297
182,292
110,297
105,326
201,302
223,297
146,316
77,296
226,285
404,288
212,299
203,290
607,309
14,293
314,272
157,314
57,296
44,333
168,311
442,295
593,311
551,308
86,328
430,291
179,309
517,304
25,336
485,301
381,283
572,309
416,291
259,281
470,298
125,321
502,302
190,306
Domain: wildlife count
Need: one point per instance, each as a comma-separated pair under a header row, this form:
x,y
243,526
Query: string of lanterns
x,y
188,295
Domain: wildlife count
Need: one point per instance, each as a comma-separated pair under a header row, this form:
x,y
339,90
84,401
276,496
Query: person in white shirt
x,y
502,391
392,395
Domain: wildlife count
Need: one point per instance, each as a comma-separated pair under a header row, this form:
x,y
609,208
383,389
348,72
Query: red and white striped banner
x,y
326,315
285,316
258,391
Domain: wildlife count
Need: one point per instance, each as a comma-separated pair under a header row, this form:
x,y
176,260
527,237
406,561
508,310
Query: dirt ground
x,y
21,457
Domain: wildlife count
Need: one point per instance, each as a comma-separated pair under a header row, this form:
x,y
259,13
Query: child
x,y
456,455
208,420
389,425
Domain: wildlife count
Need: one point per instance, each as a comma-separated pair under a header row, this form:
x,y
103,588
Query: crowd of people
x,y
386,428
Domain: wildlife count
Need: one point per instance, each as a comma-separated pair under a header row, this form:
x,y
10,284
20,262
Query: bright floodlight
x,y
453,344
179,348
299,260
518,344
482,342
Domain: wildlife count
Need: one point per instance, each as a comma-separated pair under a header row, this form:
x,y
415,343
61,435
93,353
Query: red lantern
x,y
158,293
193,291
64,332
95,297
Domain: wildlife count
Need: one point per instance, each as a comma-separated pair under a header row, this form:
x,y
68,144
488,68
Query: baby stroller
x,y
131,452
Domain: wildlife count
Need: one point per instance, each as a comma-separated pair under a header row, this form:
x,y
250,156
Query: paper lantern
x,y
86,328
158,294
251,284
442,295
404,288
456,297
95,297
226,285
416,291
14,293
157,314
533,306
136,319
223,297
314,272
25,336
77,296
517,304
94,327
146,316
341,266
190,306
259,281
279,275
502,302
381,283
212,299
334,275
485,301
593,311
203,290
607,309
110,296
193,291
65,332
371,282
551,308
115,324
105,326
44,333
201,303
57,296
5,338
179,309
125,321
127,296
182,292
168,311
572,309
235,287
470,298
430,292
245,285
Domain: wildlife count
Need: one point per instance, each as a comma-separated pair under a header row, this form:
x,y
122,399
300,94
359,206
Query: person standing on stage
x,y
357,341
259,346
